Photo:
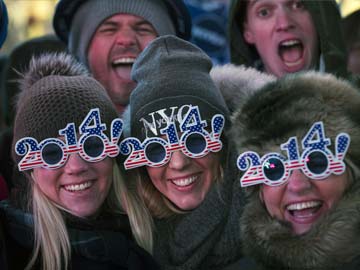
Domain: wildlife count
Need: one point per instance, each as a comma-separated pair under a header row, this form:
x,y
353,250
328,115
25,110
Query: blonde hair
x,y
51,238
158,204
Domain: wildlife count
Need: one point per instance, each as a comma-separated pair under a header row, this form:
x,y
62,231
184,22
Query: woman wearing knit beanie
x,y
68,211
298,141
180,157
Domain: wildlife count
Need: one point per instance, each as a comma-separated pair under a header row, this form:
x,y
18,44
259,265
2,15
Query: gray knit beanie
x,y
171,74
93,12
56,91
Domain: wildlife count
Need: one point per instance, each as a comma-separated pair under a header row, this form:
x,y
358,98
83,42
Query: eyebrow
x,y
252,2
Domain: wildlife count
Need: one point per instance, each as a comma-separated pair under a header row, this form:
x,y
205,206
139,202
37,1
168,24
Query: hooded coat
x,y
208,237
292,105
327,22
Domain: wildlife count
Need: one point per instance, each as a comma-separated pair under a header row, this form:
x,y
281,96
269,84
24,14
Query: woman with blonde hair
x,y
72,209
180,156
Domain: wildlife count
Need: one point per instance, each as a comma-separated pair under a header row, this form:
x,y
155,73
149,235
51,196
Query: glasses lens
x,y
195,143
51,153
273,169
155,152
93,146
317,162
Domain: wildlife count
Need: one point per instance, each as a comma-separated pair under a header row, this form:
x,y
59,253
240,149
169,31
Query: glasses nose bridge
x,y
298,181
75,164
178,160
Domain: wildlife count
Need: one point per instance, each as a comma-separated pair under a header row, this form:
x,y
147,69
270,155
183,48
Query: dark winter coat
x,y
3,261
104,243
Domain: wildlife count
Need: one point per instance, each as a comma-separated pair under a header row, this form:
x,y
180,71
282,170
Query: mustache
x,y
121,51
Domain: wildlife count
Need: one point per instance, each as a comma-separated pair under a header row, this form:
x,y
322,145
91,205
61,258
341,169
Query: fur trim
x,y
126,117
333,241
289,107
238,83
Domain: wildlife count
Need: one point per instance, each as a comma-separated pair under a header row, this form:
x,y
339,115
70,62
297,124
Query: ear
x,y
248,34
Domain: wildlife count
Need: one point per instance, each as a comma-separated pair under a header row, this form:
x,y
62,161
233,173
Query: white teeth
x,y
79,187
290,43
184,182
125,60
303,205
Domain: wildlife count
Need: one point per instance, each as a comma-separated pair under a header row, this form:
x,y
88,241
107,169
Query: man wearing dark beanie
x,y
108,35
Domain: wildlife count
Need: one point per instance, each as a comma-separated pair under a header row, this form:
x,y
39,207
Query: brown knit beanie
x,y
56,91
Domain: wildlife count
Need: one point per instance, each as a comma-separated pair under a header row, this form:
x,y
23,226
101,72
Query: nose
x,y
75,165
126,37
179,161
284,20
298,182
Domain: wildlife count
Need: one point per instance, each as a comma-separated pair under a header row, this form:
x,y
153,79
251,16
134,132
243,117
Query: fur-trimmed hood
x,y
333,241
289,106
238,83
282,109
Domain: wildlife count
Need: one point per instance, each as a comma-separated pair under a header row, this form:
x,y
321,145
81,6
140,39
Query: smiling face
x,y
112,51
80,187
302,201
283,33
186,181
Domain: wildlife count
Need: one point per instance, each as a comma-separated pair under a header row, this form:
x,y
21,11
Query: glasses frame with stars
x,y
191,124
91,128
314,142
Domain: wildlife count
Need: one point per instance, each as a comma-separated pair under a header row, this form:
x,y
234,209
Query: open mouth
x,y
122,66
304,210
78,187
291,52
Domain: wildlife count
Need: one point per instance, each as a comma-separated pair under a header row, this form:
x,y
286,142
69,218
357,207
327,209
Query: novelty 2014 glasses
x,y
93,145
317,161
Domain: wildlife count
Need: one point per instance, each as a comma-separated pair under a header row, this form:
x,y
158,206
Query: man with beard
x,y
108,35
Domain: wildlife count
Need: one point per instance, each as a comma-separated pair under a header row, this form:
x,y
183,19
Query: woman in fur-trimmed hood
x,y
302,223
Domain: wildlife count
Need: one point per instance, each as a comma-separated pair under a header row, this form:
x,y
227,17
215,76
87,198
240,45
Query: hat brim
x,y
66,9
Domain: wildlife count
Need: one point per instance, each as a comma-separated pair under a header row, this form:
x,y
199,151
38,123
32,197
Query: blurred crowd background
x,y
32,18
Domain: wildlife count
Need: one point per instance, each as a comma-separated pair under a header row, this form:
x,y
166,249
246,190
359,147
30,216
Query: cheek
x,y
272,197
47,181
97,53
309,28
333,189
156,175
145,41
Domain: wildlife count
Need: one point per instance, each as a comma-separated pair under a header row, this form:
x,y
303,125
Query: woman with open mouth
x,y
298,145
71,209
